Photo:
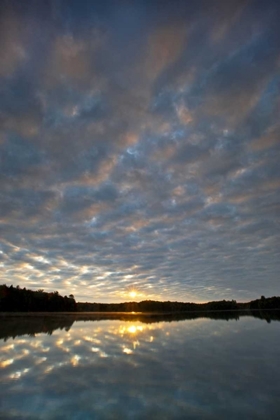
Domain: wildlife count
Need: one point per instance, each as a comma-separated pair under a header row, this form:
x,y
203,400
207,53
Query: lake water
x,y
117,369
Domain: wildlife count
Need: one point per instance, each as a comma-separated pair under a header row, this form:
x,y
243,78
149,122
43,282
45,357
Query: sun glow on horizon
x,y
132,294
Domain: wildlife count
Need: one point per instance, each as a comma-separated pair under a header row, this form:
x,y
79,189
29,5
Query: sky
x,y
140,147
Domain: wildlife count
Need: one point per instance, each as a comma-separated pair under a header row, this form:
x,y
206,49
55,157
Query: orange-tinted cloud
x,y
13,43
101,175
229,13
70,61
184,114
164,46
269,139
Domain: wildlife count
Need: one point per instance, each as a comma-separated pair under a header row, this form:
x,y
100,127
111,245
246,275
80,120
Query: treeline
x,y
265,303
15,299
156,306
170,307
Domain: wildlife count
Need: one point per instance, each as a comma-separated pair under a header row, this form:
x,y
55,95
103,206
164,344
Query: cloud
x,y
14,37
164,46
139,146
18,155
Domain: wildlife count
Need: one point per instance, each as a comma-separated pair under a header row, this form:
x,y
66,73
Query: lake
x,y
62,368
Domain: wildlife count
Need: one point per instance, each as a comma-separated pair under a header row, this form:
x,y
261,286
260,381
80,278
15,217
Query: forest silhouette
x,y
16,299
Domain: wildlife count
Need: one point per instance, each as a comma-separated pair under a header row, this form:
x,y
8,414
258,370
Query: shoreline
x,y
80,314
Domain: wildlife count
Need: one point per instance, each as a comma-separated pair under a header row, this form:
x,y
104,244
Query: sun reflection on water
x,y
84,343
6,363
105,365
126,350
132,329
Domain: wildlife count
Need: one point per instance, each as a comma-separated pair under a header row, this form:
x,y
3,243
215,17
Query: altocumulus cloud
x,y
139,147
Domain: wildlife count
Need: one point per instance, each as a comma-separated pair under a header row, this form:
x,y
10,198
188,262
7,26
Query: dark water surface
x,y
116,369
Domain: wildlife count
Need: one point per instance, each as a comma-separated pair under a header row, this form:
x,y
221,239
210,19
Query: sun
x,y
133,294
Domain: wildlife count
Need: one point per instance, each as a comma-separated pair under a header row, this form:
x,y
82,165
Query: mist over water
x,y
116,369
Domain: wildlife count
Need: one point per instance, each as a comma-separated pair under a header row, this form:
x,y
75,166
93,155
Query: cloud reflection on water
x,y
114,369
